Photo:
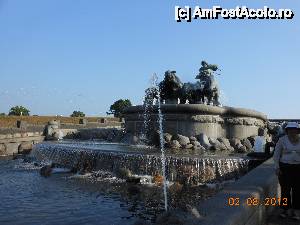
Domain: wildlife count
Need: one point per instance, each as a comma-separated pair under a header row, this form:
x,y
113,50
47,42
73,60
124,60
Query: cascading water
x,y
199,170
161,139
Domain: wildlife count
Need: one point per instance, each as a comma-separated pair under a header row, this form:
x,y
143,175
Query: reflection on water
x,y
94,198
28,198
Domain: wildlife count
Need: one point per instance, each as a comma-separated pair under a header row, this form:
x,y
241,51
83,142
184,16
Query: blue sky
x,y
64,55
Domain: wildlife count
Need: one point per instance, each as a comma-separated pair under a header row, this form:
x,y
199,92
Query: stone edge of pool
x,y
260,183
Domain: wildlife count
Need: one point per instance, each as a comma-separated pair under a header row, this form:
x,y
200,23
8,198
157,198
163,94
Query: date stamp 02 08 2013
x,y
253,201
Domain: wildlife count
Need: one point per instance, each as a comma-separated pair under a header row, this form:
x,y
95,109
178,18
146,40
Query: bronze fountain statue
x,y
204,91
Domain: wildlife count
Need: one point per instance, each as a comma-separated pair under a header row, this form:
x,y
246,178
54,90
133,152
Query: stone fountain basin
x,y
140,160
194,119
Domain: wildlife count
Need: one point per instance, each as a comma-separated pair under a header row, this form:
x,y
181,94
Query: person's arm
x,y
277,153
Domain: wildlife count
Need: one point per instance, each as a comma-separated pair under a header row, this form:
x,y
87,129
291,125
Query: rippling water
x,y
28,198
98,198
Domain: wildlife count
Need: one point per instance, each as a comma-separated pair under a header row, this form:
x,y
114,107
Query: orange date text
x,y
254,201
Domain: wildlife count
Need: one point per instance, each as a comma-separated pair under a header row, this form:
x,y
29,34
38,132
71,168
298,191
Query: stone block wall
x,y
16,143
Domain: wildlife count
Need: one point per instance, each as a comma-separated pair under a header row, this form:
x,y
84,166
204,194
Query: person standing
x,y
287,166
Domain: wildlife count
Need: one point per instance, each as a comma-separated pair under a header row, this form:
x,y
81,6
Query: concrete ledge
x,y
260,183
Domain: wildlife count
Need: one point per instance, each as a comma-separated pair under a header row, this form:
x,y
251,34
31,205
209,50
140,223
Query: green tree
x,y
77,114
2,114
118,107
18,111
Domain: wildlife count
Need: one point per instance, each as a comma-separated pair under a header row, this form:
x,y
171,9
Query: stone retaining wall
x,y
11,144
40,128
11,121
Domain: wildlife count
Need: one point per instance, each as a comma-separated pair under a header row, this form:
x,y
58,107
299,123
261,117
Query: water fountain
x,y
201,125
162,144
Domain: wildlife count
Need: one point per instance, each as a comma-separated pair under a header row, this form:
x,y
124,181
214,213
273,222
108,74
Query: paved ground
x,y
274,219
